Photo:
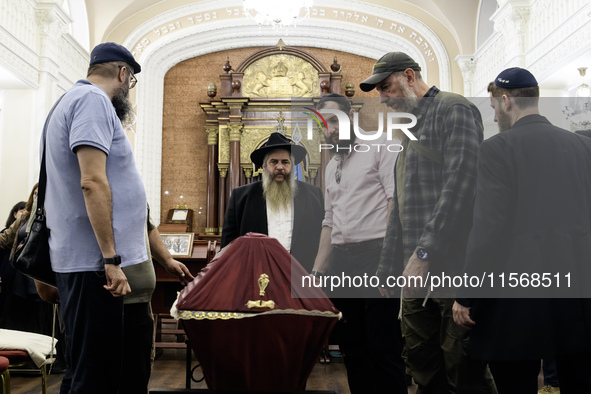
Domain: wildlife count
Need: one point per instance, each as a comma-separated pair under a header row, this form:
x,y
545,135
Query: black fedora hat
x,y
278,141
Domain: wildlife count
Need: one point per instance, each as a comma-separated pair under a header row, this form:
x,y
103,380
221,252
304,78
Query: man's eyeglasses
x,y
133,79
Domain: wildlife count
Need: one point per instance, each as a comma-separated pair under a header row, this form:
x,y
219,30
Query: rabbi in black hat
x,y
532,214
280,206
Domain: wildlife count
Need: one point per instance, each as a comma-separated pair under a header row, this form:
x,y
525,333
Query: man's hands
x,y
462,316
178,270
116,281
415,268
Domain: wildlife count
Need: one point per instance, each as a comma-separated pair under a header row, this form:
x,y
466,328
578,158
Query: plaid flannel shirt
x,y
438,198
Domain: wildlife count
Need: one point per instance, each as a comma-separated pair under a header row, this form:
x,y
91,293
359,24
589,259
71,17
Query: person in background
x,y
6,269
15,213
22,308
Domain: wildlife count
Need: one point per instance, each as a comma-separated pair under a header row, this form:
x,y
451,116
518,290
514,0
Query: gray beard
x,y
123,106
278,195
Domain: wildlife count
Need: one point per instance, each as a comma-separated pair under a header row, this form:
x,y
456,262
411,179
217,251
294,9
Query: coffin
x,y
250,327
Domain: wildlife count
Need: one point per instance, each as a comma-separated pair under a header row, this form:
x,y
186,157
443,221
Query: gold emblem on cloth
x,y
263,282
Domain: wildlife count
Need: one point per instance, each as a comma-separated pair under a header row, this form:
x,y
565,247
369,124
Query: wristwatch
x,y
422,254
115,260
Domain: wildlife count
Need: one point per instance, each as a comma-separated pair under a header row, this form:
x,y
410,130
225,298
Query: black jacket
x,y
532,214
247,212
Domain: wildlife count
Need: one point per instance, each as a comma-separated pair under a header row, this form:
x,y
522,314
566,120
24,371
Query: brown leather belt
x,y
358,247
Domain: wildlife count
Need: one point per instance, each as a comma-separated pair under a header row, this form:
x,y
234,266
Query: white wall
x,y
16,127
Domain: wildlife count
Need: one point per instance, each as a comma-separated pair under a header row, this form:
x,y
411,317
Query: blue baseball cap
x,y
515,78
112,52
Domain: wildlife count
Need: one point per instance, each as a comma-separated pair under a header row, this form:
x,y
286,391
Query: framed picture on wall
x,y
178,244
179,214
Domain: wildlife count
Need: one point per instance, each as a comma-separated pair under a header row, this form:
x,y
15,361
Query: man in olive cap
x,y
279,206
97,212
429,223
532,214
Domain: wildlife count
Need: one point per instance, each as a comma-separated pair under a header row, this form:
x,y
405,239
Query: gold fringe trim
x,y
211,315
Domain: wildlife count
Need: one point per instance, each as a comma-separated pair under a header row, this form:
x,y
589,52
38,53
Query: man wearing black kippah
x,y
532,215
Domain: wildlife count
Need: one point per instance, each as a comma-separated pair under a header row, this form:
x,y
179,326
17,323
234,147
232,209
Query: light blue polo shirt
x,y
86,116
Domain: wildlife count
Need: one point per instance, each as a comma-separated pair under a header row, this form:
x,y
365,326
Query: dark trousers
x,y
574,373
516,377
436,350
138,340
93,321
369,334
550,372
521,376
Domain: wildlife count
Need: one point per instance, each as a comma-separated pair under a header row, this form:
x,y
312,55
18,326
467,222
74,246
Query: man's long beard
x,y
123,106
278,194
409,100
407,103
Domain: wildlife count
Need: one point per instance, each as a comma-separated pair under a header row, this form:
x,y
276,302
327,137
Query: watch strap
x,y
115,260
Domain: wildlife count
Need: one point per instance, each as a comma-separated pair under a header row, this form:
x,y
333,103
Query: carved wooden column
x,y
248,175
211,226
222,197
312,173
235,130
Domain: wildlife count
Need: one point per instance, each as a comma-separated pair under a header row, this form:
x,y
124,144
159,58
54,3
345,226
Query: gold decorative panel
x,y
224,145
281,76
254,136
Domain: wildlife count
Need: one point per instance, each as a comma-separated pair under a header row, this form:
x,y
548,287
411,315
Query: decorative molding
x,y
212,135
370,31
313,171
247,172
235,131
541,37
467,67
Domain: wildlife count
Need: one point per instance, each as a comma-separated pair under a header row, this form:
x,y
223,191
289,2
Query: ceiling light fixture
x,y
278,14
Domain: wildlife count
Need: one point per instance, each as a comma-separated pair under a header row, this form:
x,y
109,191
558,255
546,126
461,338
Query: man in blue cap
x,y
532,215
429,223
97,213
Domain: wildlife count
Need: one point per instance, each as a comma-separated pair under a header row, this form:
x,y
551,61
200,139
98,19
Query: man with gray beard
x,y
430,222
279,206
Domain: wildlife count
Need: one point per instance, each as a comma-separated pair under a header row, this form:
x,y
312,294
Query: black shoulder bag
x,y
32,256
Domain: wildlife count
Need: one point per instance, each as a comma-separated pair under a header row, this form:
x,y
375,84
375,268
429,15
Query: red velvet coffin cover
x,y
258,348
